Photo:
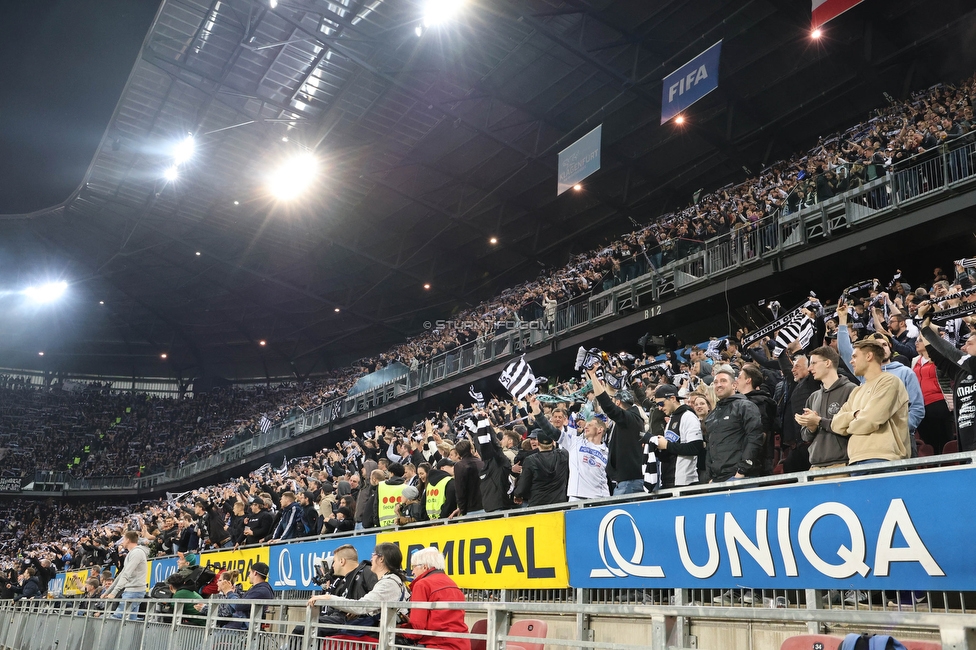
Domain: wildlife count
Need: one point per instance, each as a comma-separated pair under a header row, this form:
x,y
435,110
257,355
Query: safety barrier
x,y
271,625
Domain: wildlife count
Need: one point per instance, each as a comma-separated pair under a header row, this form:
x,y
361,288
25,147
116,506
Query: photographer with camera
x,y
351,603
344,576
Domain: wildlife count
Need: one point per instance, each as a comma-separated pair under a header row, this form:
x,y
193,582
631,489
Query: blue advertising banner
x,y
293,565
55,587
161,569
690,82
579,160
897,531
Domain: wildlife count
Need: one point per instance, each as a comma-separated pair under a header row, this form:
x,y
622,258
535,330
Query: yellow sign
x,y
74,582
514,553
239,561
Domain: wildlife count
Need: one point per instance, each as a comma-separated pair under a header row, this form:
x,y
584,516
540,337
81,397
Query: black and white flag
x,y
336,410
518,378
265,424
967,263
799,328
283,470
479,398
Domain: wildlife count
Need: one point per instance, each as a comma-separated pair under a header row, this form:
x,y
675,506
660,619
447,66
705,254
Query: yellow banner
x,y
74,582
515,553
239,561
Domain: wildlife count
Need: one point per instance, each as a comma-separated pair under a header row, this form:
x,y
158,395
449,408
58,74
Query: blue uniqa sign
x,y
293,565
579,160
690,82
885,532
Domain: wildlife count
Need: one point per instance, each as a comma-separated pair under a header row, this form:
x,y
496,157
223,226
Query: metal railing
x,y
272,625
746,246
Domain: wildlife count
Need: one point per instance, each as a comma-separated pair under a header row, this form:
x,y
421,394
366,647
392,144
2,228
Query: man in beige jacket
x,y
875,415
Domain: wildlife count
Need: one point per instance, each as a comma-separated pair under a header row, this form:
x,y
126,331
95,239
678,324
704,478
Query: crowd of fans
x,y
712,412
98,431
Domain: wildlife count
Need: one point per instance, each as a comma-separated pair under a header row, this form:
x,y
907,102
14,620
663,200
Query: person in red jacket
x,y
432,585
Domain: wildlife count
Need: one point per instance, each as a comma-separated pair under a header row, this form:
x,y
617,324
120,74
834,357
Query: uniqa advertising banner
x,y
513,553
293,565
898,531
161,569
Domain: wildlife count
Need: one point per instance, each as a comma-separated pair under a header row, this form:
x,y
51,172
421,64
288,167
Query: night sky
x,y
64,63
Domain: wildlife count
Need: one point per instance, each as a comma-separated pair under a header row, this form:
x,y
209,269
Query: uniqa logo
x,y
622,567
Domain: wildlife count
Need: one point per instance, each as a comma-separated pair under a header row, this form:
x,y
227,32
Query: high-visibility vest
x,y
435,497
389,496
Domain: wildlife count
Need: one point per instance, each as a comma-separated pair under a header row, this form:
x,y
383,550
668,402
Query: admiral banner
x,y
74,583
690,82
883,532
514,553
240,561
293,565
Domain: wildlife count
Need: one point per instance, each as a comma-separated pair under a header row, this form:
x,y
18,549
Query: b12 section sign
x,y
900,531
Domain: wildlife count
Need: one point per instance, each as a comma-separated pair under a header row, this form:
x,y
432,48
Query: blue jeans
x,y
359,525
868,461
133,608
633,486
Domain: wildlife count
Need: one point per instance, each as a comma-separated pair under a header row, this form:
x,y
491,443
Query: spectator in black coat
x,y
467,481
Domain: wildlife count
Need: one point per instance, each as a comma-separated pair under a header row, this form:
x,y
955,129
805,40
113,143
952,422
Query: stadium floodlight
x,y
680,119
171,174
817,33
273,3
294,176
184,150
437,12
46,292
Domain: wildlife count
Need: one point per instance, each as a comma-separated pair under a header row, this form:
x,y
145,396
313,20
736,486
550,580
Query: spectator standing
x,y
682,442
875,416
624,463
750,382
131,581
827,449
496,472
545,475
936,427
588,455
432,585
258,525
734,427
439,497
467,481
961,367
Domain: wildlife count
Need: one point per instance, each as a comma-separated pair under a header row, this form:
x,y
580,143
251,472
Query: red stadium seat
x,y
812,642
530,627
914,644
479,627
951,447
925,450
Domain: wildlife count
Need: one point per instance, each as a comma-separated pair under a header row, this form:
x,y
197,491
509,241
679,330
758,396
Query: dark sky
x,y
63,64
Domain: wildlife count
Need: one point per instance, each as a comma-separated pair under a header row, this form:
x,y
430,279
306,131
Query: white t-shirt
x,y
587,466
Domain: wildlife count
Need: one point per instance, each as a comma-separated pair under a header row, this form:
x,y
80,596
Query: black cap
x,y
261,569
664,391
535,433
625,396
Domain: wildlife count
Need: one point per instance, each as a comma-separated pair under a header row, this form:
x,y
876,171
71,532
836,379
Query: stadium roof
x,y
429,146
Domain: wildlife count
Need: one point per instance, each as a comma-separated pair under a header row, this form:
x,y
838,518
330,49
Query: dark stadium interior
x,y
432,145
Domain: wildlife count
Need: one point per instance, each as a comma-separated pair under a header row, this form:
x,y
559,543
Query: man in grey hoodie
x,y
827,449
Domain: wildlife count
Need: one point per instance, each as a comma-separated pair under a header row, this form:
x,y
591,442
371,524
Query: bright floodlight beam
x,y
437,12
46,292
294,177
817,33
171,174
184,150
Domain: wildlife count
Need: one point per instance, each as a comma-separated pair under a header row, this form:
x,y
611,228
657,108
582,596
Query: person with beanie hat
x,y
410,509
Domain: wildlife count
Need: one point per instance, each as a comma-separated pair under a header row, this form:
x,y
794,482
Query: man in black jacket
x,y
545,476
258,525
467,481
734,433
750,383
496,471
961,368
210,525
624,466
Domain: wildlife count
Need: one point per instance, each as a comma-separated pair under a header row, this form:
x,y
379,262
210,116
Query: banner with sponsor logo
x,y
883,532
293,565
579,160
55,587
74,582
240,561
526,552
690,82
161,569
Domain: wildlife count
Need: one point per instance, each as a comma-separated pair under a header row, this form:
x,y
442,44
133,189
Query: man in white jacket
x,y
131,580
